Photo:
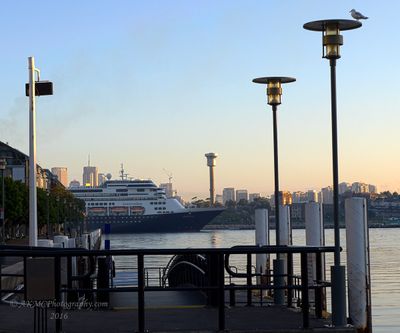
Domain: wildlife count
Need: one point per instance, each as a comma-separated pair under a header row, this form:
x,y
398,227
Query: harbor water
x,y
385,264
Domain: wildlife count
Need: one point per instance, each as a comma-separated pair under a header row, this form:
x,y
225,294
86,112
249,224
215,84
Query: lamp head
x,y
274,87
331,37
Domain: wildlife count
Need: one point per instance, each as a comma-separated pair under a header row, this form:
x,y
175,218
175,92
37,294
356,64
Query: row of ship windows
x,y
100,203
160,208
158,203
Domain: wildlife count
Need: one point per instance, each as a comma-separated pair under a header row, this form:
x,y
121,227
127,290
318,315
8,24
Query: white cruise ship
x,y
132,206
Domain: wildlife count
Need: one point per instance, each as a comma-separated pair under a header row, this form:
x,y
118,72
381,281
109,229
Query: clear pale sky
x,y
157,84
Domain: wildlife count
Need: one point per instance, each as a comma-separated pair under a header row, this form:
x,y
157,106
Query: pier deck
x,y
190,319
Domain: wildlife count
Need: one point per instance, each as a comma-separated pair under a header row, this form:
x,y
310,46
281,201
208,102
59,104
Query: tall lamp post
x,y
331,41
32,89
3,164
274,92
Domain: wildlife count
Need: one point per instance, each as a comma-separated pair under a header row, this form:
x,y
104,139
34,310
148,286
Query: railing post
x,y
318,290
57,279
304,290
25,298
141,293
290,279
249,282
221,292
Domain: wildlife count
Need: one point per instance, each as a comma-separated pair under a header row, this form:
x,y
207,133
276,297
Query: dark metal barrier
x,y
217,286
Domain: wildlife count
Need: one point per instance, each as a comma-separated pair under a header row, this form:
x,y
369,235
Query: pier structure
x,y
211,163
169,303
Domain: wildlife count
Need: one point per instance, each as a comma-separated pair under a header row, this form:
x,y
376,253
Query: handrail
x,y
36,252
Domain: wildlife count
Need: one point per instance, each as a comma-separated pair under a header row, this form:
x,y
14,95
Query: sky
x,y
157,84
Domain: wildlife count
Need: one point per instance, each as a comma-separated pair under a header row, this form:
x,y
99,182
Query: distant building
x,y
90,176
219,199
285,198
358,187
253,196
74,183
241,195
228,194
297,197
312,196
62,174
372,188
101,178
169,192
344,187
327,195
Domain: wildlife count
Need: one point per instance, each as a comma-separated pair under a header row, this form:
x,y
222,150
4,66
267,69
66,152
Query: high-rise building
x,y
327,195
228,194
312,196
372,188
219,199
241,195
90,176
62,175
344,187
169,192
297,197
253,196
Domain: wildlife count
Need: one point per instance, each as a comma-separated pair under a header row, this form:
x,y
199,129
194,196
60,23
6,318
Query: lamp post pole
x,y
274,92
331,41
3,164
32,156
276,175
335,164
32,89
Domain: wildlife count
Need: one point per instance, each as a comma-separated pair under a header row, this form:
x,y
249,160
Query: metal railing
x,y
219,258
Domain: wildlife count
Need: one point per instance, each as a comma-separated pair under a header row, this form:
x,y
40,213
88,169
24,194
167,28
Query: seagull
x,y
357,15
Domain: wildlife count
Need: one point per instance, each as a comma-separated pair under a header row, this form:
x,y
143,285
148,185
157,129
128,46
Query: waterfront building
x,y
311,196
62,174
327,195
90,176
285,198
74,183
297,197
17,167
253,196
241,195
228,194
372,188
219,199
344,187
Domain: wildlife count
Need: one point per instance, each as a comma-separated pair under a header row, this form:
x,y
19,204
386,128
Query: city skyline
x,y
170,68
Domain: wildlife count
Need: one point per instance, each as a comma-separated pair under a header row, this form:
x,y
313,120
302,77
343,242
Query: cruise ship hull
x,y
189,221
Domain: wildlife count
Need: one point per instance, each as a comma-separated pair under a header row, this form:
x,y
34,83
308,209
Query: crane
x,y
169,174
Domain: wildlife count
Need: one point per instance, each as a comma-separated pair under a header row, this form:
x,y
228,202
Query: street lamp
x,y
3,164
274,93
32,89
331,42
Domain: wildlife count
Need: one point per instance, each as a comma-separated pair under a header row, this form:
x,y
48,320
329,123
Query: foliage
x,y
56,206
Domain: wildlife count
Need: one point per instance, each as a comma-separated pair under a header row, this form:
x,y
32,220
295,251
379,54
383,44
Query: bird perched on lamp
x,y
357,15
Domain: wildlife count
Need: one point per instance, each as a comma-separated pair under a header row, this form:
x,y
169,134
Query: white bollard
x,y
358,265
285,228
285,233
262,238
45,242
61,239
315,236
